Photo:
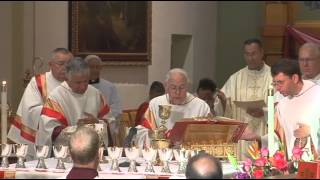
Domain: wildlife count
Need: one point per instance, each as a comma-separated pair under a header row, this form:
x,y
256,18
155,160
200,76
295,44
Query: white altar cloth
x,y
51,173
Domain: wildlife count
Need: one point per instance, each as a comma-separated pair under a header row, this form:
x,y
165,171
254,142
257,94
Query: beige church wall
x,y
237,21
51,27
6,45
197,19
44,26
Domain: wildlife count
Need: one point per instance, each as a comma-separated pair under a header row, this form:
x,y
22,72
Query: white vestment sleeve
x,y
46,127
142,137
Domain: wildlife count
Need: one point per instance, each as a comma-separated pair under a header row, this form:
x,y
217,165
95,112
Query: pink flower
x,y
247,165
297,153
264,152
247,168
258,174
278,156
261,162
248,162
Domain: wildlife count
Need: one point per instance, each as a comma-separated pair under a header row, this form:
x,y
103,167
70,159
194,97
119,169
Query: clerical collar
x,y
94,81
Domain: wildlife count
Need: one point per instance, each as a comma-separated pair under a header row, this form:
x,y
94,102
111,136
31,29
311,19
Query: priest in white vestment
x,y
183,105
25,124
297,114
249,84
72,103
108,89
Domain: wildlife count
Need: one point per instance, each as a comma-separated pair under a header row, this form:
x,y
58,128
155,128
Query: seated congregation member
x,y
25,124
84,151
297,114
204,166
207,91
183,105
108,89
72,103
156,89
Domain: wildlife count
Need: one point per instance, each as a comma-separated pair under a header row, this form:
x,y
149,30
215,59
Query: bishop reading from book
x,y
165,110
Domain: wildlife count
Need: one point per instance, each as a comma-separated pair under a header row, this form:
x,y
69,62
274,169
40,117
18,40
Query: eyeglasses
x,y
277,83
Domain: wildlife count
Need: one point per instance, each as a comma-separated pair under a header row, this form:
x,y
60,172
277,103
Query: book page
x,y
250,104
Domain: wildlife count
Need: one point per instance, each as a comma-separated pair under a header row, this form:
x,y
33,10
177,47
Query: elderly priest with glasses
x,y
165,110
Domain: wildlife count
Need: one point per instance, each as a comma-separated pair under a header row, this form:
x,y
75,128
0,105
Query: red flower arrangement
x,y
261,165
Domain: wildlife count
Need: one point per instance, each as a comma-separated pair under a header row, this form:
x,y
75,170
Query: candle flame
x,y
4,82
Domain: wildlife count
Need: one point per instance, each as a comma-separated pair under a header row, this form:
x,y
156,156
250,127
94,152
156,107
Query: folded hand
x,y
90,119
302,131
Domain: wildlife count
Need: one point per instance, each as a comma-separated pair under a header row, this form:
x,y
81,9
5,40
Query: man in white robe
x,y
183,105
25,124
309,63
72,103
249,84
108,89
298,114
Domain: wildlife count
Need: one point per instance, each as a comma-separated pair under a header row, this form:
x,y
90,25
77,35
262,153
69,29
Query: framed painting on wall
x,y
117,31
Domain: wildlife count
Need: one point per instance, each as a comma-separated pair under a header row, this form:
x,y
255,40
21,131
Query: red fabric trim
x,y
146,123
105,110
25,132
140,112
16,123
28,136
39,84
2,174
54,114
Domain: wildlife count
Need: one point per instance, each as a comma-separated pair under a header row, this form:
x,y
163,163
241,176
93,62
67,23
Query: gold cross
x,y
254,87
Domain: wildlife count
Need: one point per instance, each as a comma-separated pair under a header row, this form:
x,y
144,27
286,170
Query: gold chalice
x,y
164,114
159,140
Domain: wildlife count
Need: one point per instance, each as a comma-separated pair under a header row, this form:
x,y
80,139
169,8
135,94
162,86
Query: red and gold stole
x,y
25,131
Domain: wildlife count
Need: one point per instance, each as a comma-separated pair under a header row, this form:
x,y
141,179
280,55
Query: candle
x,y
271,145
4,112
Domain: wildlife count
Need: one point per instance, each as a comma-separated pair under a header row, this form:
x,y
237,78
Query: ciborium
x,y
60,152
42,152
21,152
6,150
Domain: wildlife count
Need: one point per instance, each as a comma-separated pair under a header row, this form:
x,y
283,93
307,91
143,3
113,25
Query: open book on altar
x,y
217,130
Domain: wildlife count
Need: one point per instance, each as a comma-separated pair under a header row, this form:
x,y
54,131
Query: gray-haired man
x,y
72,103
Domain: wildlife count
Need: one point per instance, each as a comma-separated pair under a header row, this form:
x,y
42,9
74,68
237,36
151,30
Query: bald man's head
x,y
84,145
204,166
